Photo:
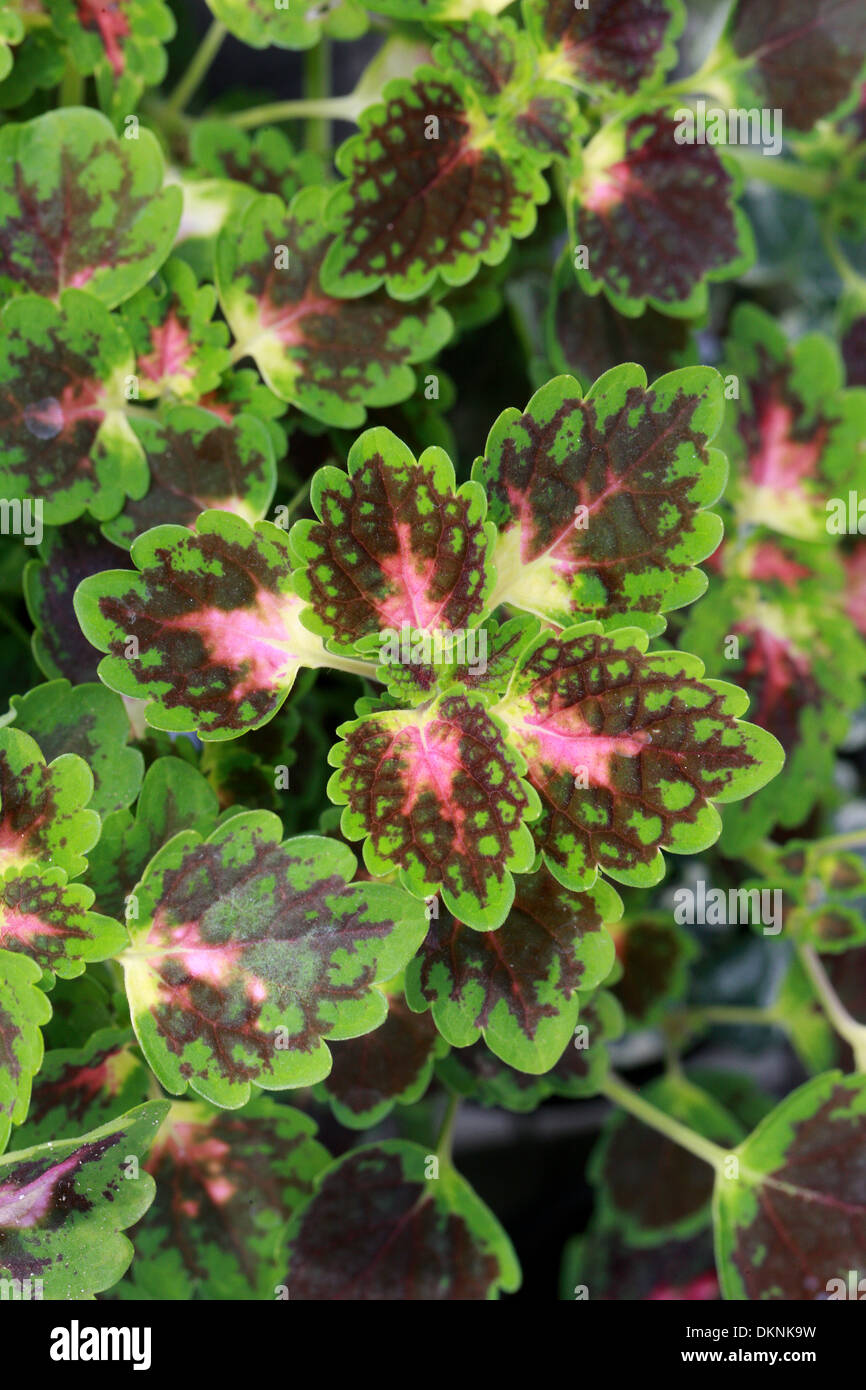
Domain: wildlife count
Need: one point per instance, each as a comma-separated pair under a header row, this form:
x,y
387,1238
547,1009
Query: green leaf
x,y
42,817
64,1205
93,723
518,986
779,632
115,232
196,462
45,917
67,555
264,160
39,63
23,1008
804,58
655,954
379,1229
179,350
81,1088
174,797
795,438
216,623
648,1187
791,1224
428,193
247,953
658,219
628,751
226,1184
396,544
331,357
64,435
391,1066
612,45
438,794
294,24
121,43
598,499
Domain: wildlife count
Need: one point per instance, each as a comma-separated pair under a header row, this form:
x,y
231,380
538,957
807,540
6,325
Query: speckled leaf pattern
x,y
216,622
43,820
330,357
180,352
197,462
90,721
45,917
247,953
628,750
65,440
438,794
292,24
598,499
795,1219
64,1206
427,193
480,1075
23,1007
264,160
616,45
119,41
804,58
111,236
396,542
658,219
795,436
392,1065
518,986
226,1183
379,1229
81,1088
174,796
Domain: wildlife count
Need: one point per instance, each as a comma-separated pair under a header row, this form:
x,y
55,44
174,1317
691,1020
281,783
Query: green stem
x,y
334,108
622,1094
782,173
446,1133
733,1014
317,87
302,493
368,669
851,278
851,839
72,87
198,69
847,1027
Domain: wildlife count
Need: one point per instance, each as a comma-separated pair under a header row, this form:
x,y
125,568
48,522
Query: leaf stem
x,y
71,86
734,1014
317,87
368,669
622,1094
851,278
847,1027
785,174
198,69
334,108
850,839
446,1134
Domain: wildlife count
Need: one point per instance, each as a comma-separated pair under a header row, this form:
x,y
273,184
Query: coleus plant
x,y
434,634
